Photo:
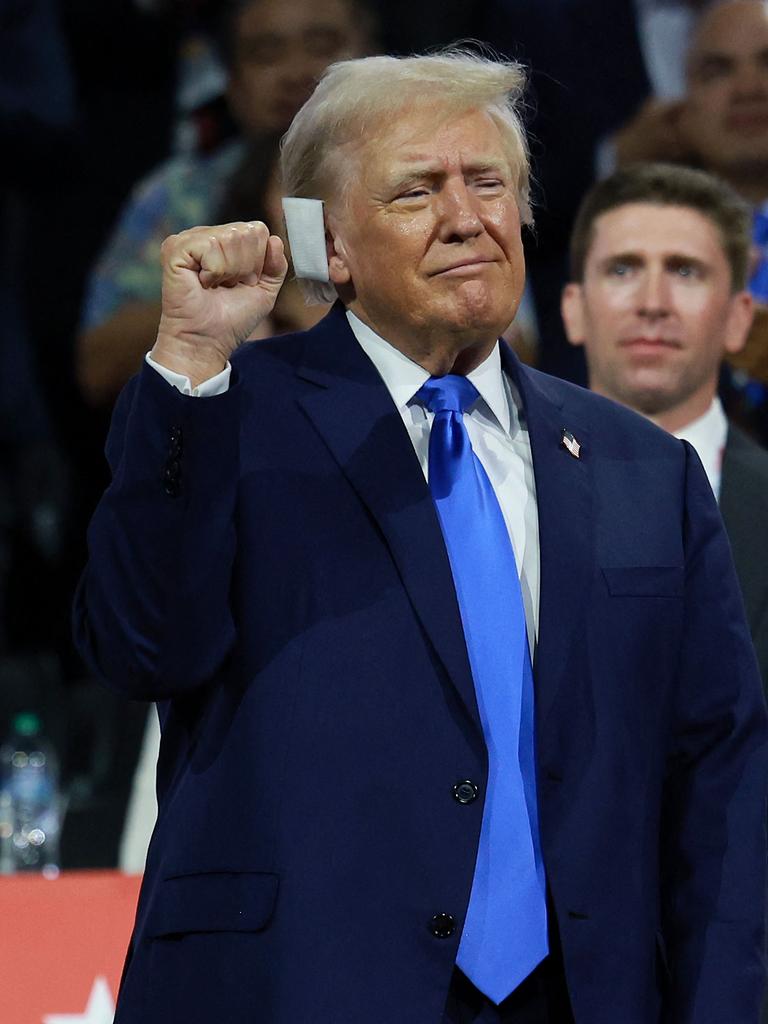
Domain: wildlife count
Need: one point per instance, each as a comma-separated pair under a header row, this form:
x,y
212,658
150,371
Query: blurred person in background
x,y
720,124
720,121
593,63
37,127
274,51
657,299
71,188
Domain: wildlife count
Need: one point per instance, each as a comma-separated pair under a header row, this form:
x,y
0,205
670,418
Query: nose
x,y
653,300
459,213
750,82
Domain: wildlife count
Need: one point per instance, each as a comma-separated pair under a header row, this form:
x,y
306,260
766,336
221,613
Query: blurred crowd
x,y
128,120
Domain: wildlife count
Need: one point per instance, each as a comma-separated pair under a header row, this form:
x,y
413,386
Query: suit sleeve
x,y
714,842
152,612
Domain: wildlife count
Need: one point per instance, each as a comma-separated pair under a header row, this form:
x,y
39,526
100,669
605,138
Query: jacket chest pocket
x,y
644,580
212,902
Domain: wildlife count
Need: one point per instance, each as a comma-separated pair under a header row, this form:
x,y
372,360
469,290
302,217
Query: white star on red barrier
x,y
100,1008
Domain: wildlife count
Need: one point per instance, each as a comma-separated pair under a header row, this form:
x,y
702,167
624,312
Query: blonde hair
x,y
354,96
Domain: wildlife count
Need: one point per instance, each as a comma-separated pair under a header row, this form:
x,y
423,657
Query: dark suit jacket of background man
x,y
744,505
268,565
588,77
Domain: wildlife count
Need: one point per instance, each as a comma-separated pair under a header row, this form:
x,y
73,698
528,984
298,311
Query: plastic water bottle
x,y
30,800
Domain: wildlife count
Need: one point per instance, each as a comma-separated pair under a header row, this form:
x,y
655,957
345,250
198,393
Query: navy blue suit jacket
x,y
267,564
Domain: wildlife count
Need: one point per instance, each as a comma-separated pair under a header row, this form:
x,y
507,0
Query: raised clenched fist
x,y
219,283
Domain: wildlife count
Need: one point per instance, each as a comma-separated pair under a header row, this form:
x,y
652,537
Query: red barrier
x,y
62,945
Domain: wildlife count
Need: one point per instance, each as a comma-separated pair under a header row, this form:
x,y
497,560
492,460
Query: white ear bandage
x,y
306,237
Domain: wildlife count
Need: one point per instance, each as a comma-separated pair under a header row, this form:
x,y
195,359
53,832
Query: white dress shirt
x,y
708,435
499,438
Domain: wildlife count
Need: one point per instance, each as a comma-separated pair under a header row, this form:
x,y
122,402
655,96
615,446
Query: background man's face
x,y
726,114
282,47
430,234
655,310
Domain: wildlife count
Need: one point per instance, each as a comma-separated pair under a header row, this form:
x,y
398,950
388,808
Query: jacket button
x,y
171,479
465,792
442,926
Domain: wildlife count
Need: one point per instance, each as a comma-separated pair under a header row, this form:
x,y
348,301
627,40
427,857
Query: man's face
x,y
427,241
725,118
281,49
655,310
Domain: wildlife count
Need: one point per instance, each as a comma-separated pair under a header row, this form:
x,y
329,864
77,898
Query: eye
x,y
262,50
711,68
688,270
620,268
417,192
489,184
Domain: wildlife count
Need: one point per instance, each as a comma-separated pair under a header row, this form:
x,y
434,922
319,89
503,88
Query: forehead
x,y
732,29
291,17
656,230
435,140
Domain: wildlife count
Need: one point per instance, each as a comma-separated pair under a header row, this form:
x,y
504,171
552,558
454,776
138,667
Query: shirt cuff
x,y
208,389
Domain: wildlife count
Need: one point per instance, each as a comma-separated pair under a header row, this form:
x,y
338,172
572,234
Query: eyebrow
x,y
718,60
671,261
632,258
678,259
710,60
412,172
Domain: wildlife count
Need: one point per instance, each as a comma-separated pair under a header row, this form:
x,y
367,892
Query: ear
x,y
572,312
739,322
339,270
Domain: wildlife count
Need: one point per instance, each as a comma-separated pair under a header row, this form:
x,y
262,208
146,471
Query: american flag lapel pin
x,y
571,445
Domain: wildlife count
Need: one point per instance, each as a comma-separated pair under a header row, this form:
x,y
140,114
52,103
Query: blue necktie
x,y
758,284
505,930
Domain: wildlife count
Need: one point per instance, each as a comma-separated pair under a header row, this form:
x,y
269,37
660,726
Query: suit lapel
x,y
353,412
566,542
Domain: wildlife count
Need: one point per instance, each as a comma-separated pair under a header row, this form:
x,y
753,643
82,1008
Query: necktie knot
x,y
452,393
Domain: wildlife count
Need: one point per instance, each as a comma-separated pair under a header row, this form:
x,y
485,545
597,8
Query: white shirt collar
x,y
708,434
403,377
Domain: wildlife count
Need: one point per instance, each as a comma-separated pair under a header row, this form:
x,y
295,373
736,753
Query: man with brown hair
x,y
657,297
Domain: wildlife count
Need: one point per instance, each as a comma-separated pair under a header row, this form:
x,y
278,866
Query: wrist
x,y
192,359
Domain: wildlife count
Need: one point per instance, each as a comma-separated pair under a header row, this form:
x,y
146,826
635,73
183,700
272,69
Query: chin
x,y
484,316
649,400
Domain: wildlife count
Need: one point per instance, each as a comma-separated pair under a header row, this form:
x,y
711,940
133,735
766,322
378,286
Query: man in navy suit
x,y
658,298
369,809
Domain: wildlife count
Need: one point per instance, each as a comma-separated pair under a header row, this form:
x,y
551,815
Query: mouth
x,y
645,345
464,268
